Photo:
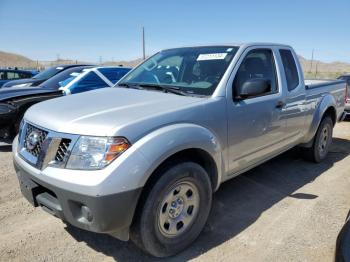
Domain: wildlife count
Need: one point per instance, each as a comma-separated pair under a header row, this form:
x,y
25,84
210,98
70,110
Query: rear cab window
x,y
290,69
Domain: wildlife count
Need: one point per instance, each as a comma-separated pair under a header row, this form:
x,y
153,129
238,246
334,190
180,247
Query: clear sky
x,y
86,30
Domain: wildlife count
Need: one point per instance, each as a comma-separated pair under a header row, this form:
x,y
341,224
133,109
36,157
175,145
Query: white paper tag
x,y
214,56
59,67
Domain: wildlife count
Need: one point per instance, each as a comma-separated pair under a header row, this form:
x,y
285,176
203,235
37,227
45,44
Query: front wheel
x,y
322,141
175,210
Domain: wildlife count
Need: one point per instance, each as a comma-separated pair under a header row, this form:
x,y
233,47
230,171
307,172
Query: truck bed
x,y
316,89
314,83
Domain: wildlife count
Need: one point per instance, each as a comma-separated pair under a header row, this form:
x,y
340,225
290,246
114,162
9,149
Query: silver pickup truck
x,y
142,159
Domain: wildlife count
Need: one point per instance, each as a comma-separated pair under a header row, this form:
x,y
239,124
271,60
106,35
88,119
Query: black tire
x,y
320,147
148,232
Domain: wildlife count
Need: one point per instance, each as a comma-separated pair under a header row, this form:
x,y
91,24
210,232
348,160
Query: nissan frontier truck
x,y
141,160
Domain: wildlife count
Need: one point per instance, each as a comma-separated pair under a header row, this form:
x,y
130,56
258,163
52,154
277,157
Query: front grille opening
x,y
34,139
62,151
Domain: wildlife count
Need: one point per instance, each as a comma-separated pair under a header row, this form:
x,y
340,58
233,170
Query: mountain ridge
x,y
311,69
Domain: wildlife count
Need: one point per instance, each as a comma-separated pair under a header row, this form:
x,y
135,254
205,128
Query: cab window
x,y
258,66
290,69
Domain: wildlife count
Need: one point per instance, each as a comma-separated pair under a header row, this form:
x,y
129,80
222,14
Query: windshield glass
x,y
46,74
55,82
70,78
194,70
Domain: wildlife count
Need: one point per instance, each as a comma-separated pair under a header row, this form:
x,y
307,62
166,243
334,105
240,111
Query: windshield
x,y
46,74
69,79
55,82
194,70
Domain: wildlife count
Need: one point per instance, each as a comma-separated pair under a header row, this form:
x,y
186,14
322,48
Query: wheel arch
x,y
196,155
327,107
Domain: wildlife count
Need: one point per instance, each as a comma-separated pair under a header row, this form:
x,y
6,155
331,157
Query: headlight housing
x,y
93,153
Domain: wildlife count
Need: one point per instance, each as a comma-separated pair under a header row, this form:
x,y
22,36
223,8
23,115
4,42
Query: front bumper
x,y
110,214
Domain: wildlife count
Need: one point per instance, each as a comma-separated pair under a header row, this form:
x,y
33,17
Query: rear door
x,y
294,108
256,128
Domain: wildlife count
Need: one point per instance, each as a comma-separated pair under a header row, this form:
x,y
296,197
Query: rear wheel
x,y
175,210
322,141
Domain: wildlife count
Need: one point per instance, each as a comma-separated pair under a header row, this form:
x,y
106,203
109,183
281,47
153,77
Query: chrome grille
x,y
62,151
34,146
43,147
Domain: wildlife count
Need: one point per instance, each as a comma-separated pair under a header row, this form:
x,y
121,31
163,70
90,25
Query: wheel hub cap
x,y
324,140
178,209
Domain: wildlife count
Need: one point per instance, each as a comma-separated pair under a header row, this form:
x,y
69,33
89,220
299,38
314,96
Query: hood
x,y
34,82
13,92
105,111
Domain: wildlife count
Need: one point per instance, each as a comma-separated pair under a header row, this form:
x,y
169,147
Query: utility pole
x,y
143,44
100,59
312,60
316,70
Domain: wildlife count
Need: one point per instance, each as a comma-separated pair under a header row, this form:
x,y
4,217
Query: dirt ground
x,y
285,210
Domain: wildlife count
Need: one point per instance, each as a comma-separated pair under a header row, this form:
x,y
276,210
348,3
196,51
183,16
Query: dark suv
x,y
7,75
41,77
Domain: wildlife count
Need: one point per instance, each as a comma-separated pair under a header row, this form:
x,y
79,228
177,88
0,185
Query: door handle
x,y
280,104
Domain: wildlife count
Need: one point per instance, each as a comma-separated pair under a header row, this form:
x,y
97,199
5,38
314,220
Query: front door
x,y
256,128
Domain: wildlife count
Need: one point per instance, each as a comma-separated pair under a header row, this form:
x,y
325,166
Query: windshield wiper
x,y
135,86
167,89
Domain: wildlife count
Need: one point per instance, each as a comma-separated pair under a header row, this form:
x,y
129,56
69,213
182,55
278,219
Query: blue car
x,y
7,75
15,101
92,78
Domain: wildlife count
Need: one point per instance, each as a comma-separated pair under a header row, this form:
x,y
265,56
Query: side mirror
x,y
253,87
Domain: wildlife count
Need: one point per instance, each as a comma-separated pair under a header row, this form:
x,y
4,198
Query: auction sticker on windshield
x,y
214,56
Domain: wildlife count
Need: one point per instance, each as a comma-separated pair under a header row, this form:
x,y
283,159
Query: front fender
x,y
162,143
326,102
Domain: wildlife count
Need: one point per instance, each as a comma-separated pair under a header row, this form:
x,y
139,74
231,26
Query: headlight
x,y
91,153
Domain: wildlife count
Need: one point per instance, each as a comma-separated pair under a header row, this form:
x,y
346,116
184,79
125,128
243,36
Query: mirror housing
x,y
253,87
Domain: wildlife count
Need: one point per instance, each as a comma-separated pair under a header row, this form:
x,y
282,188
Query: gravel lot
x,y
284,210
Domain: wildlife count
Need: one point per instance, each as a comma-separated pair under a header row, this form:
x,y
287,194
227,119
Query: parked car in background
x,y
41,77
15,101
143,159
7,75
93,78
347,104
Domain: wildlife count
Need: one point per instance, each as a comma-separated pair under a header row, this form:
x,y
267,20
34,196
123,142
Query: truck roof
x,y
245,45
